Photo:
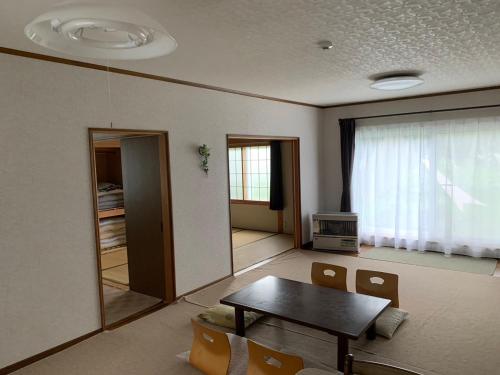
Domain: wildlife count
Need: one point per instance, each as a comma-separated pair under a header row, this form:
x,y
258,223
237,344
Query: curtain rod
x,y
429,111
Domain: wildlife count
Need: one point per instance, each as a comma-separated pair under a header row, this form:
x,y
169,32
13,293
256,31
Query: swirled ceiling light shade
x,y
101,32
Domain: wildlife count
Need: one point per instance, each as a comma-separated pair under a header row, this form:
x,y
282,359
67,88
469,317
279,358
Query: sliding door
x,y
142,188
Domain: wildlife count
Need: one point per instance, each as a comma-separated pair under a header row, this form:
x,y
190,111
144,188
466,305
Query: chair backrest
x,y
353,366
329,275
211,351
265,361
378,284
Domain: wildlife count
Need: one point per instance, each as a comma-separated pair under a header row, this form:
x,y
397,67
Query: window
x,y
236,173
430,185
250,172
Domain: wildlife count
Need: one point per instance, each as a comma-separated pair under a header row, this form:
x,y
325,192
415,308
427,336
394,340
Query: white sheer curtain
x,y
431,185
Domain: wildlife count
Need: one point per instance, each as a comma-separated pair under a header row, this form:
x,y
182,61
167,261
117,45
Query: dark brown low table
x,y
345,315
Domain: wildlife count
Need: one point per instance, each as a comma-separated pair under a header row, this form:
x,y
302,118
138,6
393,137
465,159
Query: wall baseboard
x,y
37,357
202,287
138,315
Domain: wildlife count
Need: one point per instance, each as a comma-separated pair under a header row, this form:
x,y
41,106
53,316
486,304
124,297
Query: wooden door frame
x,y
168,235
297,202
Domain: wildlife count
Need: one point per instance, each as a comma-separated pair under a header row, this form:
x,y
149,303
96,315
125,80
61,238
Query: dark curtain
x,y
276,195
347,132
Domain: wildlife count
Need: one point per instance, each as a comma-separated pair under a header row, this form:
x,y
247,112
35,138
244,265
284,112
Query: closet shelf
x,y
111,213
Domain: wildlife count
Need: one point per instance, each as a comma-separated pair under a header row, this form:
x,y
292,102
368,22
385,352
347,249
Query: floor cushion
x,y
389,321
223,316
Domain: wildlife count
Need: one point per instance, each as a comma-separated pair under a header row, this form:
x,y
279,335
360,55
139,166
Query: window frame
x,y
240,144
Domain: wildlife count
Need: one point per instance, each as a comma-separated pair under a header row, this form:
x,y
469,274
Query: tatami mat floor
x,y
119,301
251,247
453,327
366,248
114,265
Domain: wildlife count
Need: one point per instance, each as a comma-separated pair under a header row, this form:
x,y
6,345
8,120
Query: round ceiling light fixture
x,y
396,83
101,32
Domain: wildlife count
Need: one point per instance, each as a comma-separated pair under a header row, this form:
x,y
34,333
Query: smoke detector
x,y
325,44
101,32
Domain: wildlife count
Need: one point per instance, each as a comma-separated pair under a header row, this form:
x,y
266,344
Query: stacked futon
x,y
110,196
112,232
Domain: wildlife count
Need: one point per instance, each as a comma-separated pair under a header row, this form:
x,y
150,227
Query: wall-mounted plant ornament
x,y
204,152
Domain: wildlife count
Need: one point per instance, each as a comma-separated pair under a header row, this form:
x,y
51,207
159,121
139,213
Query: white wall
x,y
48,279
254,216
331,176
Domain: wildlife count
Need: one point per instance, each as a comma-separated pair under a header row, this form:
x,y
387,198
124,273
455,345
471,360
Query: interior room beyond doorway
x,y
134,247
263,184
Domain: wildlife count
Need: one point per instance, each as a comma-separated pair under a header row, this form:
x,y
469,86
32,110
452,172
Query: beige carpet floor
x,y
245,236
257,251
453,326
485,266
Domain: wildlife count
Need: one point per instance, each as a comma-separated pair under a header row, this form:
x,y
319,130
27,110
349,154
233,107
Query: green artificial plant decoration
x,y
204,152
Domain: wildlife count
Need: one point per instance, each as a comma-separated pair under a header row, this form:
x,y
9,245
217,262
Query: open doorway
x,y
264,193
131,187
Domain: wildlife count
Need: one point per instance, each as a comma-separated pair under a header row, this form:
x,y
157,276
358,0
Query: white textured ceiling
x,y
269,47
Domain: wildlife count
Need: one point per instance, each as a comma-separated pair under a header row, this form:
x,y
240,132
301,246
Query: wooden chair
x,y
319,275
265,361
378,284
211,351
353,366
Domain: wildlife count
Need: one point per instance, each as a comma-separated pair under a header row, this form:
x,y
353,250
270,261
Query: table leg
x,y
239,320
371,333
342,351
